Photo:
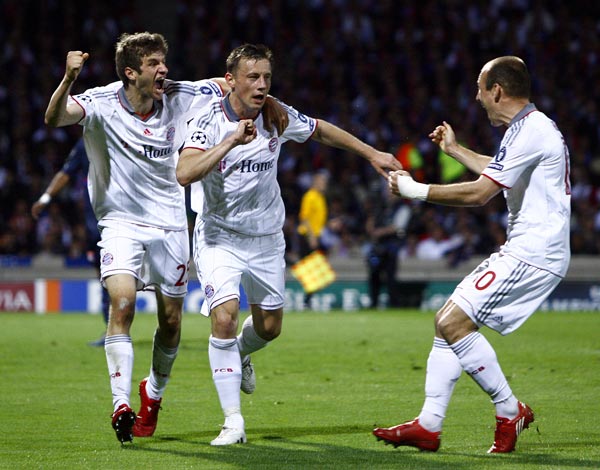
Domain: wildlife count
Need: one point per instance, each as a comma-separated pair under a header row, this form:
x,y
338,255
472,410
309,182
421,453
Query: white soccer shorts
x,y
154,256
503,292
224,260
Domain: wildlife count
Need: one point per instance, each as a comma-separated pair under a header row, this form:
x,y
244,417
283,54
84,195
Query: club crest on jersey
x,y
209,291
107,258
273,144
171,134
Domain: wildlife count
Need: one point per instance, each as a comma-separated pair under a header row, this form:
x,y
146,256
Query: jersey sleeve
x,y
189,98
202,132
518,152
89,101
300,127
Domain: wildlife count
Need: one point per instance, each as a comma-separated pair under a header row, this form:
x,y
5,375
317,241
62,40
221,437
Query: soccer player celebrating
x,y
531,167
231,159
132,132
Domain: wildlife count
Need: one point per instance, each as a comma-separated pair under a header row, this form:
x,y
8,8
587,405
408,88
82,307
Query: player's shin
x,y
248,340
226,366
478,359
443,371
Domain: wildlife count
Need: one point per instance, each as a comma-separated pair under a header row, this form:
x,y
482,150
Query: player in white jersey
x,y
238,235
531,167
132,131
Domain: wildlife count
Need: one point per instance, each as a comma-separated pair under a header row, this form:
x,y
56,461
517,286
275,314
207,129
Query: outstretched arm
x,y
443,136
58,113
472,193
329,134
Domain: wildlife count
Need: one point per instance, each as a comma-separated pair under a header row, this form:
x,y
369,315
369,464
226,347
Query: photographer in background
x,y
386,227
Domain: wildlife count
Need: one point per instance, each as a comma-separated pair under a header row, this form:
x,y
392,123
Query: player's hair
x,y
248,51
131,49
510,72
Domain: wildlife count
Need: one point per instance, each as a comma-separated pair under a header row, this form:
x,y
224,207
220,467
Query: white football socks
x,y
443,371
160,370
226,365
248,340
119,358
478,359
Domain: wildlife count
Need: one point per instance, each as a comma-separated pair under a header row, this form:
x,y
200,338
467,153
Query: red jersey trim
x,y
497,182
82,108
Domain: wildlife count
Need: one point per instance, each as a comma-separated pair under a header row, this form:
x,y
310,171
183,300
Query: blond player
x,y
238,236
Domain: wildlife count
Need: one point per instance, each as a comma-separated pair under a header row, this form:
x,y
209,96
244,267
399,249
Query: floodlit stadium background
x,y
386,71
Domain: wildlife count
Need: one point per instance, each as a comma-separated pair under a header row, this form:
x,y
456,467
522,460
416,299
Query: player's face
x,y
250,85
487,99
150,80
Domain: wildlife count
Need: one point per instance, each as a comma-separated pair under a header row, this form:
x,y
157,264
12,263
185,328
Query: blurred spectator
x,y
386,224
438,245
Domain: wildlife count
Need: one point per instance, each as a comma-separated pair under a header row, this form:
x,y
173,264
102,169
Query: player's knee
x,y
123,306
271,334
269,330
171,325
224,326
453,324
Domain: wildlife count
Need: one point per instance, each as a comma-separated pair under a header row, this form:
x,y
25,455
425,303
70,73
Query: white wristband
x,y
45,198
411,189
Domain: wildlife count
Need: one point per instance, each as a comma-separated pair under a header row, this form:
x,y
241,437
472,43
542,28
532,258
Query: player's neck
x,y
238,108
142,105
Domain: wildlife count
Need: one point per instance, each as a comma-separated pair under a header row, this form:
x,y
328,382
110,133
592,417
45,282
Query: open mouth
x,y
159,83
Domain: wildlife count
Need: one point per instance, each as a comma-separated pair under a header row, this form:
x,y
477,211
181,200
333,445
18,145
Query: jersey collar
x,y
529,108
127,105
228,109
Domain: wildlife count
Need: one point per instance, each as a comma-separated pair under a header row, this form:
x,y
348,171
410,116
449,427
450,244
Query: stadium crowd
x,y
386,71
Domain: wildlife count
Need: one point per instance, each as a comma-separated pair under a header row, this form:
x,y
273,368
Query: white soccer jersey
x,y
533,167
133,159
242,194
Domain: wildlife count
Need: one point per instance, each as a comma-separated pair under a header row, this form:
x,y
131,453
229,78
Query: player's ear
x,y
130,73
497,92
230,80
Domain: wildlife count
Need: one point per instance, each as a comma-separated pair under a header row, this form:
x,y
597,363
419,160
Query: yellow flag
x,y
313,272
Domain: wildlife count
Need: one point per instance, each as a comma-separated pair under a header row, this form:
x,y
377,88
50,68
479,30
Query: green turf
x,y
322,386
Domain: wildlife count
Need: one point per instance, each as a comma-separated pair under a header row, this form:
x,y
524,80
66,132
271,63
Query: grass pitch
x,y
321,388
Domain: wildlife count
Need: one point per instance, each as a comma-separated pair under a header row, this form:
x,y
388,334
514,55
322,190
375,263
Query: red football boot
x,y
147,418
409,434
507,430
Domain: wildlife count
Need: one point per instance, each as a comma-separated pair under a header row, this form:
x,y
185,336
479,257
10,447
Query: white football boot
x,y
229,436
